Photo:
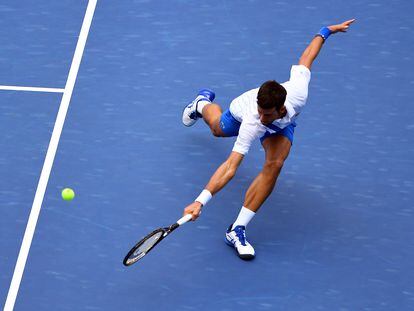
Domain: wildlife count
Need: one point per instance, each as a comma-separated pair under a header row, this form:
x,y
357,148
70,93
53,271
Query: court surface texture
x,y
336,234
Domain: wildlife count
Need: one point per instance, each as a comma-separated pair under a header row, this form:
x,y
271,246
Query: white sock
x,y
201,104
244,217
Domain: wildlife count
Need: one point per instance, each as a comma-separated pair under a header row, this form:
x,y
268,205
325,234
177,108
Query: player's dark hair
x,y
271,95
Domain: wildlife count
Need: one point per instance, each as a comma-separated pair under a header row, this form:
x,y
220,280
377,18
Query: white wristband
x,y
204,197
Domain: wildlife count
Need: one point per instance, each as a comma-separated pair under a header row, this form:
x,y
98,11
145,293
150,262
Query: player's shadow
x,y
293,212
293,209
219,147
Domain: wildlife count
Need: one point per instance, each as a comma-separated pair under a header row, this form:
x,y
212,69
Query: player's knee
x,y
273,167
217,132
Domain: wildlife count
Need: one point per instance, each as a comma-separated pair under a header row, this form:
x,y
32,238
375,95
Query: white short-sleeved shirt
x,y
244,109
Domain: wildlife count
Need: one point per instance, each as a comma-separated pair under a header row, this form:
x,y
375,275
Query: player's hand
x,y
341,27
194,209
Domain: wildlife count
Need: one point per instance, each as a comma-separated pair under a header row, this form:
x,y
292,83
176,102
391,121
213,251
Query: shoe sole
x,y
244,257
183,121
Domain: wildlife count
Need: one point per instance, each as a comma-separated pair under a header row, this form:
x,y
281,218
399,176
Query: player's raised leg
x,y
203,107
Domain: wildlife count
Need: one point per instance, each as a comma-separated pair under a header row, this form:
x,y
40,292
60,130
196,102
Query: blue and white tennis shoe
x,y
237,239
190,113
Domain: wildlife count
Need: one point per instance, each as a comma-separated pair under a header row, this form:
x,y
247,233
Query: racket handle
x,y
184,219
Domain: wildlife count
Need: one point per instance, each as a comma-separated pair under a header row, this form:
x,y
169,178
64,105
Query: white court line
x,y
30,89
50,155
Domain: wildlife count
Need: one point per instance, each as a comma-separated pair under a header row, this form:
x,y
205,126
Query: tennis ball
x,y
68,194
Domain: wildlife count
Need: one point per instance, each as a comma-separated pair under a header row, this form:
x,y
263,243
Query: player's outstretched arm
x,y
220,178
312,51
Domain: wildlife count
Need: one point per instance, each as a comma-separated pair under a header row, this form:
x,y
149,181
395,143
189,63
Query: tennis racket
x,y
151,240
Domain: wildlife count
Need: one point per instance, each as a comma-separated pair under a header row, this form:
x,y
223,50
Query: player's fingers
x,y
187,211
349,22
195,214
344,28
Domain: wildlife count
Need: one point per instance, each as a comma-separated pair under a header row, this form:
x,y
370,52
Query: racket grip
x,y
184,219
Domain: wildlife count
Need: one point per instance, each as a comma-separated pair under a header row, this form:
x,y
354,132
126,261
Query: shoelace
x,y
241,235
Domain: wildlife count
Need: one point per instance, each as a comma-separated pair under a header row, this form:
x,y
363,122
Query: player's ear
x,y
282,110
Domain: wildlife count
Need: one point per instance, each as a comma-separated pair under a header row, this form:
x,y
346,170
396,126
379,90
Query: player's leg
x,y
211,114
221,125
277,149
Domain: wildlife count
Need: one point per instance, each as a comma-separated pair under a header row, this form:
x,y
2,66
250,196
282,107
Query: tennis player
x,y
267,113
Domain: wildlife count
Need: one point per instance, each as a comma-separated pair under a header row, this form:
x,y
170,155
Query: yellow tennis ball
x,y
68,194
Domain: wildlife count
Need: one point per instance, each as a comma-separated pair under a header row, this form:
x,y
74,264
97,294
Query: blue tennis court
x,y
336,233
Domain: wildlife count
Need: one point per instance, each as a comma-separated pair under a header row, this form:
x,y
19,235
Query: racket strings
x,y
150,242
144,247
